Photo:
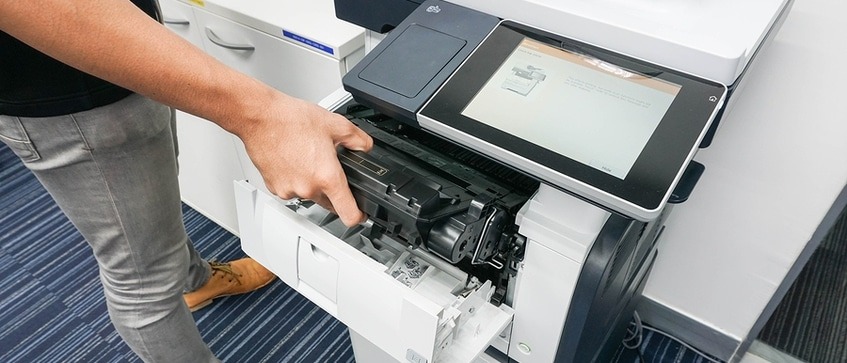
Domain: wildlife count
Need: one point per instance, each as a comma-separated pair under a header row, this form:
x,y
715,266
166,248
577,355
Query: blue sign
x,y
309,42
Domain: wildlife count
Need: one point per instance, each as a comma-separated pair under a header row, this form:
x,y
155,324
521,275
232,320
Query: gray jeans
x,y
113,172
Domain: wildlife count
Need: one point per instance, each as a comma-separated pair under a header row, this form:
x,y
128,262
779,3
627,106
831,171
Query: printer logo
x,y
433,9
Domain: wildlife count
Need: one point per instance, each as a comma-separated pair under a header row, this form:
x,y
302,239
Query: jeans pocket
x,y
131,120
13,134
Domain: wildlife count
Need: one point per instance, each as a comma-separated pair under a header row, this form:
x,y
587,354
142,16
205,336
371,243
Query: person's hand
x,y
293,144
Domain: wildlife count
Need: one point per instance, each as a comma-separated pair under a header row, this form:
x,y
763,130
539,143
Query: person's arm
x,y
291,141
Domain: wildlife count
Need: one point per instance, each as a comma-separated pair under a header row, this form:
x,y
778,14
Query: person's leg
x,y
113,171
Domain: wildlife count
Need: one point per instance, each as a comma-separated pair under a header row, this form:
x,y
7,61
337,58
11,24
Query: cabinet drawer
x,y
406,302
290,68
179,18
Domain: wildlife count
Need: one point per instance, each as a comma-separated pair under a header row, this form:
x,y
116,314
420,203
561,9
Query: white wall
x,y
776,166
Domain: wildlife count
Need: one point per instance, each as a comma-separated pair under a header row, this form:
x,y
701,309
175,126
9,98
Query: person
x,y
86,90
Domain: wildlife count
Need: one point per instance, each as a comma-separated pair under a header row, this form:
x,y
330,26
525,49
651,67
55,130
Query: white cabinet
x,y
208,163
210,158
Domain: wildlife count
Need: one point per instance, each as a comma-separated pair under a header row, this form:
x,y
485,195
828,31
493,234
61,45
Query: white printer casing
x,y
428,322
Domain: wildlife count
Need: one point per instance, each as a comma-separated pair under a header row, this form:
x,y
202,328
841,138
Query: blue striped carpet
x,y
810,322
52,307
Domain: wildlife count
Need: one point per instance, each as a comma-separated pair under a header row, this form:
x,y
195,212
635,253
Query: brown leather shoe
x,y
232,278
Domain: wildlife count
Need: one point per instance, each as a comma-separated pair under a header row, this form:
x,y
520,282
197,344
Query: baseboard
x,y
771,354
700,336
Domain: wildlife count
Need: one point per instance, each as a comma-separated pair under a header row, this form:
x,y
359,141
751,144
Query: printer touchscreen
x,y
612,129
612,112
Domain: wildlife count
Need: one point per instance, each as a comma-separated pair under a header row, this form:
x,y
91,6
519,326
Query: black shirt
x,y
33,84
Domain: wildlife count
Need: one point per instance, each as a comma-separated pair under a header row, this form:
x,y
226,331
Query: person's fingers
x,y
353,138
346,208
357,215
324,202
342,201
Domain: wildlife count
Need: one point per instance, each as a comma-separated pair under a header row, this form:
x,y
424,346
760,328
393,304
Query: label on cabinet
x,y
322,47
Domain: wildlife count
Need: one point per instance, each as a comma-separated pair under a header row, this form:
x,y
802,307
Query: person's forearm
x,y
114,40
291,142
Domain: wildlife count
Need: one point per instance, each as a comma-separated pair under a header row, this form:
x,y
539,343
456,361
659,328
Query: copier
x,y
526,155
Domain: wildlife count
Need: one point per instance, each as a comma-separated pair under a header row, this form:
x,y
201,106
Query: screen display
x,y
614,130
583,108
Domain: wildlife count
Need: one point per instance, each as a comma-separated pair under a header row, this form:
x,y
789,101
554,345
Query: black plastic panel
x,y
399,77
409,76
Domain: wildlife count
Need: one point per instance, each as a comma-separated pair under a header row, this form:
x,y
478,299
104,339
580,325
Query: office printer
x,y
522,171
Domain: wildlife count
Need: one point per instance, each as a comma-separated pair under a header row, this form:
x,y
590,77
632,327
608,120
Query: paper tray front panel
x,y
355,288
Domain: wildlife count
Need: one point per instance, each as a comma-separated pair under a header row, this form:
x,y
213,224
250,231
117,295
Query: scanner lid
x,y
714,39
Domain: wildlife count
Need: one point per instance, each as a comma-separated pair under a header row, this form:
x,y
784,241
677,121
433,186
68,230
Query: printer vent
x,y
608,290
623,262
615,268
521,182
518,182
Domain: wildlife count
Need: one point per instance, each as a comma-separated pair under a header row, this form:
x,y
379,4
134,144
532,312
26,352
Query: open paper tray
x,y
356,289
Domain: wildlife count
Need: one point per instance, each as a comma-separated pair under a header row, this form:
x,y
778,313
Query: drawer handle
x,y
220,42
172,21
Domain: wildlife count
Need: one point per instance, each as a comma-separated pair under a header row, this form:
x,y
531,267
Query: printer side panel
x,y
560,231
608,290
580,279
